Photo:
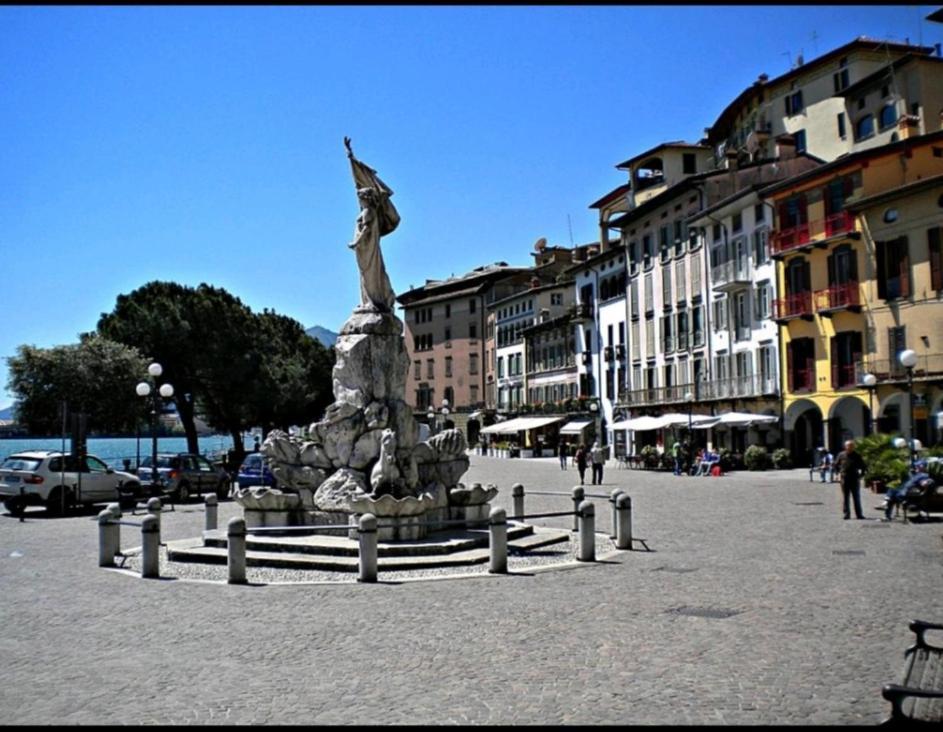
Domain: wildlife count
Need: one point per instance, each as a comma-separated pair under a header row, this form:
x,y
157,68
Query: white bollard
x,y
498,541
212,511
154,508
150,546
587,514
578,495
236,544
517,496
624,521
613,497
115,510
367,529
108,539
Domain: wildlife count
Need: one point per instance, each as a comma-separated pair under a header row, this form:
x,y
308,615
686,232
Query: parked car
x,y
183,475
57,481
249,476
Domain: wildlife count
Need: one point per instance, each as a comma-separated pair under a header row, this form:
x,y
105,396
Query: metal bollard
x,y
212,512
154,508
236,544
613,497
108,539
624,521
517,494
150,546
498,541
587,515
578,495
367,530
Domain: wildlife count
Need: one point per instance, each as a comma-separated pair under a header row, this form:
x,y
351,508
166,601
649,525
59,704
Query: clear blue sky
x,y
205,144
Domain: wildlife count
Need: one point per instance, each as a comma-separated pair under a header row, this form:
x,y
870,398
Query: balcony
x,y
737,387
929,366
846,296
813,233
732,275
798,305
581,311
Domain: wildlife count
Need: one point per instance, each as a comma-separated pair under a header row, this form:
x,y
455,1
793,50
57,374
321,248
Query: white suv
x,y
57,481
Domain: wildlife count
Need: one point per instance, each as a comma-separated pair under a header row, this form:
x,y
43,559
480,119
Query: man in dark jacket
x,y
850,467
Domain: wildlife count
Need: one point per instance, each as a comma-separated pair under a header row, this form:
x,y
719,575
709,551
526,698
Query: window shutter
x,y
789,374
936,258
904,268
831,269
834,359
806,277
881,256
798,104
856,350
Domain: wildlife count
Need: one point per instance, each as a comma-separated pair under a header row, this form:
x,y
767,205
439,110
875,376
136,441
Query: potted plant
x,y
886,466
782,459
756,458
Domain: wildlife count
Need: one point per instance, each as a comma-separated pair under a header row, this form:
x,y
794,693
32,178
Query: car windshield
x,y
163,461
253,461
16,462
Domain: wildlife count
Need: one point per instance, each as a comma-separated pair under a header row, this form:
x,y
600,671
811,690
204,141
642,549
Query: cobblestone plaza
x,y
747,600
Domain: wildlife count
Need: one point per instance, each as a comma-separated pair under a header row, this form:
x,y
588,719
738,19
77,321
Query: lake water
x,y
113,449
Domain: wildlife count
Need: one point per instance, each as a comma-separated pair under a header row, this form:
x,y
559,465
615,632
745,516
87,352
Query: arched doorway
x,y
848,418
803,423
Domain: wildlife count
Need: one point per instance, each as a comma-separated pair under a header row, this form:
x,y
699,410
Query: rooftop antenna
x,y
570,227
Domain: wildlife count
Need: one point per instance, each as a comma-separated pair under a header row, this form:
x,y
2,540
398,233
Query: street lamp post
x,y
445,413
146,389
869,380
908,359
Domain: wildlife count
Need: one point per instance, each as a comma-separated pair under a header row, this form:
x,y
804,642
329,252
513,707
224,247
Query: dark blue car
x,y
249,473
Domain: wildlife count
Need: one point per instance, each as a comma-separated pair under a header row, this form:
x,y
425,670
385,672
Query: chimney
x,y
787,147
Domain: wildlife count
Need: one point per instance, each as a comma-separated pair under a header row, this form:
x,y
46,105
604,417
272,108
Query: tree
x,y
96,376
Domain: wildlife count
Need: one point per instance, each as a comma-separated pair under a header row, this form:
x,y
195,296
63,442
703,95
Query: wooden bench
x,y
928,500
919,696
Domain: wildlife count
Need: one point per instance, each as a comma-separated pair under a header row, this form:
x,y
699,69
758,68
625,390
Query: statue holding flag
x,y
377,218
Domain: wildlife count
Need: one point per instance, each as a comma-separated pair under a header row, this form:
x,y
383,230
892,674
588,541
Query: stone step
x,y
192,550
442,542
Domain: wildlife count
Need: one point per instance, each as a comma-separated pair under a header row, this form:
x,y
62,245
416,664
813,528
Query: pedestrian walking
x,y
598,456
562,450
581,462
851,467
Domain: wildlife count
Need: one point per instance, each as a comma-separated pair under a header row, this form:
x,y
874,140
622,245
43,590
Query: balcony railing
x,y
836,297
737,387
794,237
582,311
803,379
928,366
732,273
843,375
793,306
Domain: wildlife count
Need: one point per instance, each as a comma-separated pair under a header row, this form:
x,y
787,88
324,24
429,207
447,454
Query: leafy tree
x,y
96,376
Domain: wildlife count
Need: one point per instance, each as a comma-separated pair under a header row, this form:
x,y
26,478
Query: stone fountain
x,y
364,455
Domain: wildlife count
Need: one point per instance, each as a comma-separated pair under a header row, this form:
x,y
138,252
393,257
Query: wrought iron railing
x,y
928,366
730,388
793,306
838,296
797,236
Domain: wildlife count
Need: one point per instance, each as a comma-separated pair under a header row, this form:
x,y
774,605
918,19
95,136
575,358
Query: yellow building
x,y
859,280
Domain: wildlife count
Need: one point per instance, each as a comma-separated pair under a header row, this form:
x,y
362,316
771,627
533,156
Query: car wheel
x,y
183,492
222,490
15,505
58,497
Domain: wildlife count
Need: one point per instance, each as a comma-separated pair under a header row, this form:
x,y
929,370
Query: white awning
x,y
655,423
574,428
739,419
521,423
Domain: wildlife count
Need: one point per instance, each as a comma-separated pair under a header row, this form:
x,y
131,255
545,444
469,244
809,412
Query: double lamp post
x,y
150,389
908,359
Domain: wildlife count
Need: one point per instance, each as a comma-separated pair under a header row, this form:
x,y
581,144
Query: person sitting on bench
x,y
914,484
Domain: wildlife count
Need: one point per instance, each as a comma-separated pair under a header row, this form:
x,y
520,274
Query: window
x,y
448,337
766,368
689,163
633,300
666,287
759,213
650,337
648,250
715,233
430,368
840,79
845,352
760,247
800,364
664,250
794,103
896,342
799,137
472,304
935,246
679,281
864,127
695,277
719,314
679,237
448,310
417,369
841,125
473,394
697,326
649,294
667,338
448,366
636,342
887,116
681,332
737,223
500,366
556,298
893,268
764,297
472,331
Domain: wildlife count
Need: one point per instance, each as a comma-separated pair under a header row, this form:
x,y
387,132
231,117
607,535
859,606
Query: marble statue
x,y
378,217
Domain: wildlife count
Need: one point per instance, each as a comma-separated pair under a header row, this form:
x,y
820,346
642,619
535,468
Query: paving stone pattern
x,y
755,604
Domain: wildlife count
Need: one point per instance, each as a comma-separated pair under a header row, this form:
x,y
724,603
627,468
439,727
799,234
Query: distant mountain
x,y
6,414
327,337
